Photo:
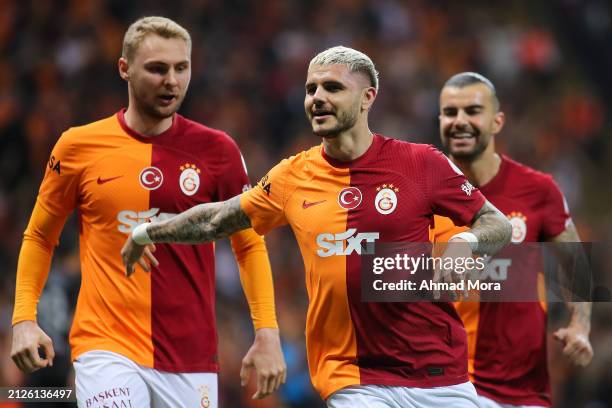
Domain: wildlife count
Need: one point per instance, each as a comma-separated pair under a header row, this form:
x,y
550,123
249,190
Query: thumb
x,y
560,334
47,346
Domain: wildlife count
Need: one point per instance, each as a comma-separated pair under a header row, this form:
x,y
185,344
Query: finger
x,y
263,384
33,360
144,265
18,359
279,379
570,348
47,346
151,258
129,269
559,335
152,247
245,373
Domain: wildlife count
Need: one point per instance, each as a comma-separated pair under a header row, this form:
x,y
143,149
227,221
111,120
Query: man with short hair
x,y
150,341
507,340
359,353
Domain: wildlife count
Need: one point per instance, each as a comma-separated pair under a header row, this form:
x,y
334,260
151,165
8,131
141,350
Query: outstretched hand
x,y
266,358
132,253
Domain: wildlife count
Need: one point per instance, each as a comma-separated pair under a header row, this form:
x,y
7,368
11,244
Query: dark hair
x,y
464,79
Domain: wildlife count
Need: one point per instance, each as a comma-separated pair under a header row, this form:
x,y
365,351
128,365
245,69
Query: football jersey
x,y
390,192
507,341
116,179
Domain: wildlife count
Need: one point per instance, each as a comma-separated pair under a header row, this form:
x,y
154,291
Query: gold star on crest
x,y
189,166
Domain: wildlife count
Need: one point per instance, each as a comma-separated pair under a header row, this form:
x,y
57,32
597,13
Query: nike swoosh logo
x,y
307,204
106,180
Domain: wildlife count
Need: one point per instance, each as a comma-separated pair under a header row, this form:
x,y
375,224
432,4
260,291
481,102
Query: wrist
x,y
266,333
469,237
140,234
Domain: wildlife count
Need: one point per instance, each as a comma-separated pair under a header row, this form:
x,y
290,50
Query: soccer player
x,y
356,187
150,341
507,341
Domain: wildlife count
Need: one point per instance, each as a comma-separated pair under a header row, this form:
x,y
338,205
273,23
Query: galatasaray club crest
x,y
349,198
204,398
386,199
190,179
519,226
151,178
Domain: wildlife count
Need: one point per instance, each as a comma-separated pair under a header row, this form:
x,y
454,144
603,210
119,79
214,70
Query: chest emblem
x,y
189,181
151,178
519,226
386,199
349,198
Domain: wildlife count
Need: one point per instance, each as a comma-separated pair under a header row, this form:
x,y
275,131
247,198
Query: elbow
x,y
507,227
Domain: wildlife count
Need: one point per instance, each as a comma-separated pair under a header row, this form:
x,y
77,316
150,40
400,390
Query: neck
x,y
145,124
350,144
481,170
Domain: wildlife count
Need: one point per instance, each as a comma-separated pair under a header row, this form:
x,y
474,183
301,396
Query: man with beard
x,y
150,341
507,341
376,354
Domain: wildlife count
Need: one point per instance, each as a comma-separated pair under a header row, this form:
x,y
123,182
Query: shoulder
x,y
80,133
203,139
197,129
523,173
409,149
79,140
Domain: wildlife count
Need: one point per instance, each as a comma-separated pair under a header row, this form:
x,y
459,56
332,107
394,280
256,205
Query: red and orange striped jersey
x,y
507,341
389,194
116,178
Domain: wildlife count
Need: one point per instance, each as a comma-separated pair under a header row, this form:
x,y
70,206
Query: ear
x,y
123,67
367,98
498,122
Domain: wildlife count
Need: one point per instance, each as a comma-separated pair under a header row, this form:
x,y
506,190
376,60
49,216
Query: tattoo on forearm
x,y
581,313
202,223
491,228
575,271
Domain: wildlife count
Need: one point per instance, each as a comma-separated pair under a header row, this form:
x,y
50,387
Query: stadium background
x,y
551,61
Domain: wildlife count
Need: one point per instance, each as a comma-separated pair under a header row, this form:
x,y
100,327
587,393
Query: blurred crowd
x,y
549,60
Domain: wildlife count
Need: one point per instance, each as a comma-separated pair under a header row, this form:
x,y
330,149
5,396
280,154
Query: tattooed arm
x,y
575,337
202,223
491,228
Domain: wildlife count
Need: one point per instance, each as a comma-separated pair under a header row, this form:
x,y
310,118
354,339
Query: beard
x,y
152,110
480,146
345,120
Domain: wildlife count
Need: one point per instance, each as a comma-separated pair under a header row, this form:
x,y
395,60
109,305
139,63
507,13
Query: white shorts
x,y
380,396
489,403
106,379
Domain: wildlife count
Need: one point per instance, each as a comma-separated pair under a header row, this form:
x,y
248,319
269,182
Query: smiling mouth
x,y
462,136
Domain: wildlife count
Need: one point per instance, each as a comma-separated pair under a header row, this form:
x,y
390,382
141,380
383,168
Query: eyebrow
x,y
473,106
155,62
327,82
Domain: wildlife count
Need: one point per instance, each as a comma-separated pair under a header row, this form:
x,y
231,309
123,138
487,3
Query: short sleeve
x,y
557,216
264,204
59,190
234,179
450,193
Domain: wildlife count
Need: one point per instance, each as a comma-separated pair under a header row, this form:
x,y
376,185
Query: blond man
x,y
150,341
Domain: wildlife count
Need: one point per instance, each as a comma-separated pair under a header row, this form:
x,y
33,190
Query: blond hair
x,y
355,61
139,29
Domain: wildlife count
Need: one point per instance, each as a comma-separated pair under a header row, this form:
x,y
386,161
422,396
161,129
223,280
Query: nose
x,y
461,119
171,78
